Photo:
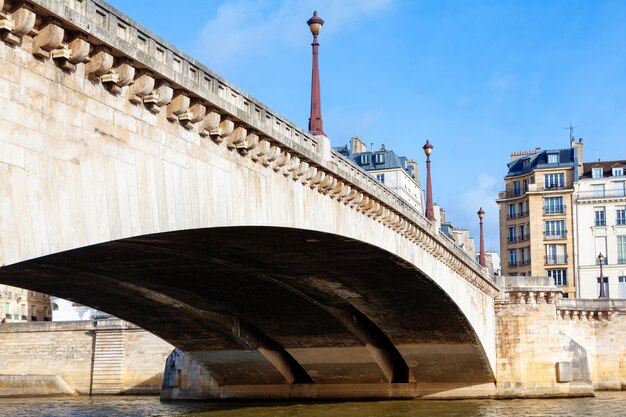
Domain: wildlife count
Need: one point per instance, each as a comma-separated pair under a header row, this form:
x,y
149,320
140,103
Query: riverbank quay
x,y
109,356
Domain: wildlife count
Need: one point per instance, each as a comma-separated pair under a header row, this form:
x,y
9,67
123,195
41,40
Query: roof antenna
x,y
371,146
571,130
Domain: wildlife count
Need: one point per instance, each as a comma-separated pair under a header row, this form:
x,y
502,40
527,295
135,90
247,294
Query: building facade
x,y
600,218
398,173
536,221
20,305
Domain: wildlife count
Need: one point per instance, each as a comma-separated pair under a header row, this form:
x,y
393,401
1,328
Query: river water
x,y
611,404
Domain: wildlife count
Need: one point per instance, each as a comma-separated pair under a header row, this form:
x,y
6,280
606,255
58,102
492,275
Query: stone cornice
x,y
91,38
586,310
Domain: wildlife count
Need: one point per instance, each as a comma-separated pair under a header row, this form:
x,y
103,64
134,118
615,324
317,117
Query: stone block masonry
x,y
101,357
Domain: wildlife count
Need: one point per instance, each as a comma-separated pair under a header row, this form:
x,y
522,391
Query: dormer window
x,y
365,159
617,171
379,158
553,158
526,163
596,172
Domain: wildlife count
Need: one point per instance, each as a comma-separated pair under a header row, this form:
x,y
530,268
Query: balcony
x,y
554,210
555,235
512,239
599,194
621,261
556,259
522,214
599,222
524,237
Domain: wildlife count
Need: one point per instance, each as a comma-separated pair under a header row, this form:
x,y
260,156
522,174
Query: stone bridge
x,y
135,180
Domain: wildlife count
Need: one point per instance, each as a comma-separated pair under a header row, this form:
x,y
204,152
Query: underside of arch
x,y
260,305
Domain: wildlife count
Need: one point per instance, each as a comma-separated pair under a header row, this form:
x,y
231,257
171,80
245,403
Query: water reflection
x,y
603,405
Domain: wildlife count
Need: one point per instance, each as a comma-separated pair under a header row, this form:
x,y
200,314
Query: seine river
x,y
603,405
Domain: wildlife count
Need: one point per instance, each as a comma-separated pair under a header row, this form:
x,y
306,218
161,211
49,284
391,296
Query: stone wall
x,y
66,350
549,346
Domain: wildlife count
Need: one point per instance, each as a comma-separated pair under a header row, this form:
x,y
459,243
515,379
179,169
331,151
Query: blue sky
x,y
478,79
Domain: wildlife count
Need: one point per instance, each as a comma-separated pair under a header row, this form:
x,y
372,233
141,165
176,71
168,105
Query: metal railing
x,y
556,259
590,195
554,210
524,237
555,235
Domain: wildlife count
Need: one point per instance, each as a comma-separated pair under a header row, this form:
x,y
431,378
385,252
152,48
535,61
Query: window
x,y
553,205
524,256
606,286
559,276
516,188
365,159
523,234
620,215
621,285
522,209
526,186
33,313
597,191
512,257
379,158
380,177
621,249
617,171
596,172
619,189
551,181
555,229
512,237
599,216
555,255
7,310
553,158
511,211
24,312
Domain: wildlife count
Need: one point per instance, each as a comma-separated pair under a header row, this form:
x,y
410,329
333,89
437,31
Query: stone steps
x,y
108,362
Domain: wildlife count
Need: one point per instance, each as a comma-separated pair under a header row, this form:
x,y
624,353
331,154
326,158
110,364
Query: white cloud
x,y
246,29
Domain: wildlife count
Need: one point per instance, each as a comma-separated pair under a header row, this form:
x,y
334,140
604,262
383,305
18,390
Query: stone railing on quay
x,y
132,62
590,309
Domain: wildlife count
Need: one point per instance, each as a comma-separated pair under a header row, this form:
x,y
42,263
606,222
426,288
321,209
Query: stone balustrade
x,y
587,310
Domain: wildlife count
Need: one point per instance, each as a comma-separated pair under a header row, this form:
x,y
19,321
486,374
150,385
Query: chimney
x,y
358,146
413,166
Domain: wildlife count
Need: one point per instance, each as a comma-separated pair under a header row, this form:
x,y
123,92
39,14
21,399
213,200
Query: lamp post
x,y
481,257
601,261
315,120
430,213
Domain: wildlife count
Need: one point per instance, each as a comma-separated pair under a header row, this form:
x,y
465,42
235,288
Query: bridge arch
x,y
268,305
103,148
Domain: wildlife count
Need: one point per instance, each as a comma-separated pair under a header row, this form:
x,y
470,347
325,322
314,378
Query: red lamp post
x,y
481,257
315,120
430,213
602,291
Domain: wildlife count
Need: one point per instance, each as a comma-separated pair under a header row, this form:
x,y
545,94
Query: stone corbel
x,y
270,156
249,143
318,178
357,199
49,37
176,107
211,123
328,184
345,191
300,170
143,85
237,137
21,21
99,64
308,175
159,97
281,161
120,76
225,128
372,210
337,189
351,196
196,113
293,164
260,150
72,53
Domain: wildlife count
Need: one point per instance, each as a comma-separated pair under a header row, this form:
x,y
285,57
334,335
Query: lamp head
x,y
315,24
481,213
428,148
